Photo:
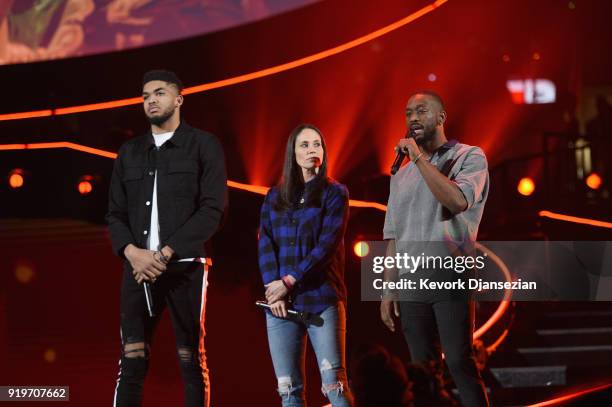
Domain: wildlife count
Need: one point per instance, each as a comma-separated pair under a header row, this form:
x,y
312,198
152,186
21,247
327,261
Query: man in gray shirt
x,y
438,197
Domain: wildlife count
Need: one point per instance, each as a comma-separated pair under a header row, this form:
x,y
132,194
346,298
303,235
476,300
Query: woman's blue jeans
x,y
287,340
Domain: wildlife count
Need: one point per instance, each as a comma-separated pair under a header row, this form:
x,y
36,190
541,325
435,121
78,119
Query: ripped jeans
x,y
287,340
182,290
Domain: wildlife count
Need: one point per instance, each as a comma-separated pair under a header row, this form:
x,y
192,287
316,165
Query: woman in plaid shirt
x,y
301,259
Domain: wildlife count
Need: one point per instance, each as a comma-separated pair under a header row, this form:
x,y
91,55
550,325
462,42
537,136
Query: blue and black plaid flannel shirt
x,y
308,244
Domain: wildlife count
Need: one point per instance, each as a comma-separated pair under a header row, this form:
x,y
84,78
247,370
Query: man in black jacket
x,y
167,197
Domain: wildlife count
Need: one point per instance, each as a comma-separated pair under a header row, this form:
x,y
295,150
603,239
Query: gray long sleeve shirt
x,y
415,215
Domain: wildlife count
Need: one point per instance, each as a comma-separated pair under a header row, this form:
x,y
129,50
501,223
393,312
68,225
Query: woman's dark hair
x,y
292,181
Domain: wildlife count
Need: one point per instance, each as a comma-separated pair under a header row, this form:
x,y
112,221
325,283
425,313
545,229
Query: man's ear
x,y
179,100
441,118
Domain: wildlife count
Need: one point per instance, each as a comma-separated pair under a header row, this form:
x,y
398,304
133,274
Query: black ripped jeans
x,y
182,289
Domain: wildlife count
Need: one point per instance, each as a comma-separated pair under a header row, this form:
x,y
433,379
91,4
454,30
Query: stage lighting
x,y
16,178
24,272
85,187
85,184
361,249
50,355
532,91
593,181
526,186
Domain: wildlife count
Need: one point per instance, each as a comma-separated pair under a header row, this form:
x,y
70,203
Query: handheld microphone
x,y
399,158
148,298
296,314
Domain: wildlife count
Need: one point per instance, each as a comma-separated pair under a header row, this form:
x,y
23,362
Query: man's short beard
x,y
428,135
161,119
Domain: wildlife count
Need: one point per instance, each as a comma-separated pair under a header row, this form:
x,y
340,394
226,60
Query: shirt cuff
x,y
389,236
468,193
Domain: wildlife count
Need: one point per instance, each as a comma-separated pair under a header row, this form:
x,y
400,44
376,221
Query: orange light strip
x,y
246,187
493,347
575,219
91,150
561,399
501,309
366,204
98,106
59,144
13,147
505,302
26,115
318,56
240,78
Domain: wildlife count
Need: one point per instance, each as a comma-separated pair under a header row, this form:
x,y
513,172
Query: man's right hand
x,y
389,308
144,265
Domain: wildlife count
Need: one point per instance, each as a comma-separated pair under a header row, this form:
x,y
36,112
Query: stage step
x,y
531,376
552,347
588,355
574,331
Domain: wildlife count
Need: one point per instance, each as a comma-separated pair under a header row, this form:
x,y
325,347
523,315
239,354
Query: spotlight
x,y
526,186
49,355
85,187
361,249
16,178
593,181
24,271
86,184
432,77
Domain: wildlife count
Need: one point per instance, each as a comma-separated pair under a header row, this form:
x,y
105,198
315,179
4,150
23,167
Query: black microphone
x,y
305,317
399,158
296,314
